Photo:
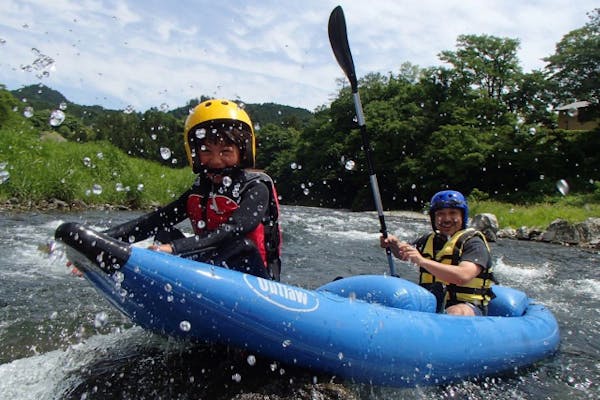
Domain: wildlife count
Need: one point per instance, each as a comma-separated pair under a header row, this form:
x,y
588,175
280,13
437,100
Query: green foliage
x,y
97,172
539,215
573,68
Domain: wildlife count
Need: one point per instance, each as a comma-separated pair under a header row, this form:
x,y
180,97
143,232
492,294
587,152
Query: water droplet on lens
x,y
96,189
57,117
168,287
251,360
201,133
28,112
563,187
129,109
185,326
165,153
227,181
87,161
349,165
4,176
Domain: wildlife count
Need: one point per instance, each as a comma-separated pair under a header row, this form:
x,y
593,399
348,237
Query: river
x,y
59,339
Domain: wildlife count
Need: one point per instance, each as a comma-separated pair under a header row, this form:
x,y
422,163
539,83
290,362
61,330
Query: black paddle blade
x,y
338,37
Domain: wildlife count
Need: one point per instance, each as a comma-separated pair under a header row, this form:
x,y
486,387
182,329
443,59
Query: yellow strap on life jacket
x,y
476,290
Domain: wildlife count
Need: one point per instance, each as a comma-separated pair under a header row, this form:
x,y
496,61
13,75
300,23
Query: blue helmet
x,y
448,199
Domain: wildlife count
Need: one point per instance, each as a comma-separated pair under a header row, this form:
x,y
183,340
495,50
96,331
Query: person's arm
x,y
148,224
252,209
456,274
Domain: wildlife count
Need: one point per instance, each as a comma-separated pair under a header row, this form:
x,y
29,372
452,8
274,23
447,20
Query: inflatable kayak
x,y
370,328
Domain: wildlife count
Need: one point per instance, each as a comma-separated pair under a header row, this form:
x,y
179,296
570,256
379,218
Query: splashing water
x,y
57,117
4,175
563,187
28,112
185,326
165,153
100,319
41,65
201,133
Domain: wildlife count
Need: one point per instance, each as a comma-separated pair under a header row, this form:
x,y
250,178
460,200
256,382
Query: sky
x,y
140,54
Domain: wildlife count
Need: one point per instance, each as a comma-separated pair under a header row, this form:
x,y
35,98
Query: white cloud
x,y
117,53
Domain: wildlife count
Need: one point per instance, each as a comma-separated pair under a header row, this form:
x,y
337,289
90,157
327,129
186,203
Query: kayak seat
x,y
508,302
385,290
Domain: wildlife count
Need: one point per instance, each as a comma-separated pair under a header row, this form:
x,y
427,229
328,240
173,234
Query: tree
x,y
574,66
487,62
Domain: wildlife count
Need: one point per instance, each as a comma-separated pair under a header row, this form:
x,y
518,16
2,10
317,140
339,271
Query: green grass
x,y
573,208
97,173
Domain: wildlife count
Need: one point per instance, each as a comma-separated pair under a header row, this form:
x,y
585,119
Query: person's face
x,y
448,221
219,155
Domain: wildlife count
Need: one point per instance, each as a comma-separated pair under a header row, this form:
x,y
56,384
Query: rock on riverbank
x,y
584,234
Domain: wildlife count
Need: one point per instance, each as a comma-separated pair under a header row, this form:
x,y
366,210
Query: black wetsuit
x,y
226,245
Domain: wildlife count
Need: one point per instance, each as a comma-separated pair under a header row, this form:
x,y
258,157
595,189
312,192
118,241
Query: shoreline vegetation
x,y
42,175
42,172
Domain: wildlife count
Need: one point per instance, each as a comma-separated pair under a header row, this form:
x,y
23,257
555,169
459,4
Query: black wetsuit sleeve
x,y
149,224
253,207
474,250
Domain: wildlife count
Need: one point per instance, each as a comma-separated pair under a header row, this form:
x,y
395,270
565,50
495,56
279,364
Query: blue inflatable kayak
x,y
369,328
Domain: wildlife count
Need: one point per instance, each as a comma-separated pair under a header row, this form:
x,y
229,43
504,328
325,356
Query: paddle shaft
x,y
338,38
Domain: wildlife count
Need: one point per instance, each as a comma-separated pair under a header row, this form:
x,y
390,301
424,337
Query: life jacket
x,y
477,291
207,211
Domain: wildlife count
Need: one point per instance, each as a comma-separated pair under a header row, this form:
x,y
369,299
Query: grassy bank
x,y
573,208
33,170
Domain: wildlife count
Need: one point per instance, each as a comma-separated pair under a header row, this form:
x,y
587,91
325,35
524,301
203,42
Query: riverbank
x,y
585,234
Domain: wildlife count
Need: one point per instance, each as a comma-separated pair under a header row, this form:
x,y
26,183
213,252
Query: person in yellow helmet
x,y
233,209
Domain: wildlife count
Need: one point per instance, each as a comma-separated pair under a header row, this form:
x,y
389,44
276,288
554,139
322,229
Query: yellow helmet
x,y
226,117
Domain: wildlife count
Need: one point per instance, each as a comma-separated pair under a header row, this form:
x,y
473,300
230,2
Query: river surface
x,y
59,339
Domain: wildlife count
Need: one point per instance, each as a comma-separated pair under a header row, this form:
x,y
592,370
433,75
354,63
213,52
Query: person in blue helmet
x,y
455,263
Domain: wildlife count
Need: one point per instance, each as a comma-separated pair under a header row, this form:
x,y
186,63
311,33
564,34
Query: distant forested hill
x,y
41,97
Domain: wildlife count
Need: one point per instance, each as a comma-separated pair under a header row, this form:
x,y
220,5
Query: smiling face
x,y
218,155
448,220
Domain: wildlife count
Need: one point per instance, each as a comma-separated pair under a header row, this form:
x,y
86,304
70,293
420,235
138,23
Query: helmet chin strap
x,y
221,171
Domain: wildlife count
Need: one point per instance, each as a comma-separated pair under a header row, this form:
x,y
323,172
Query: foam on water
x,y
48,375
582,287
520,273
